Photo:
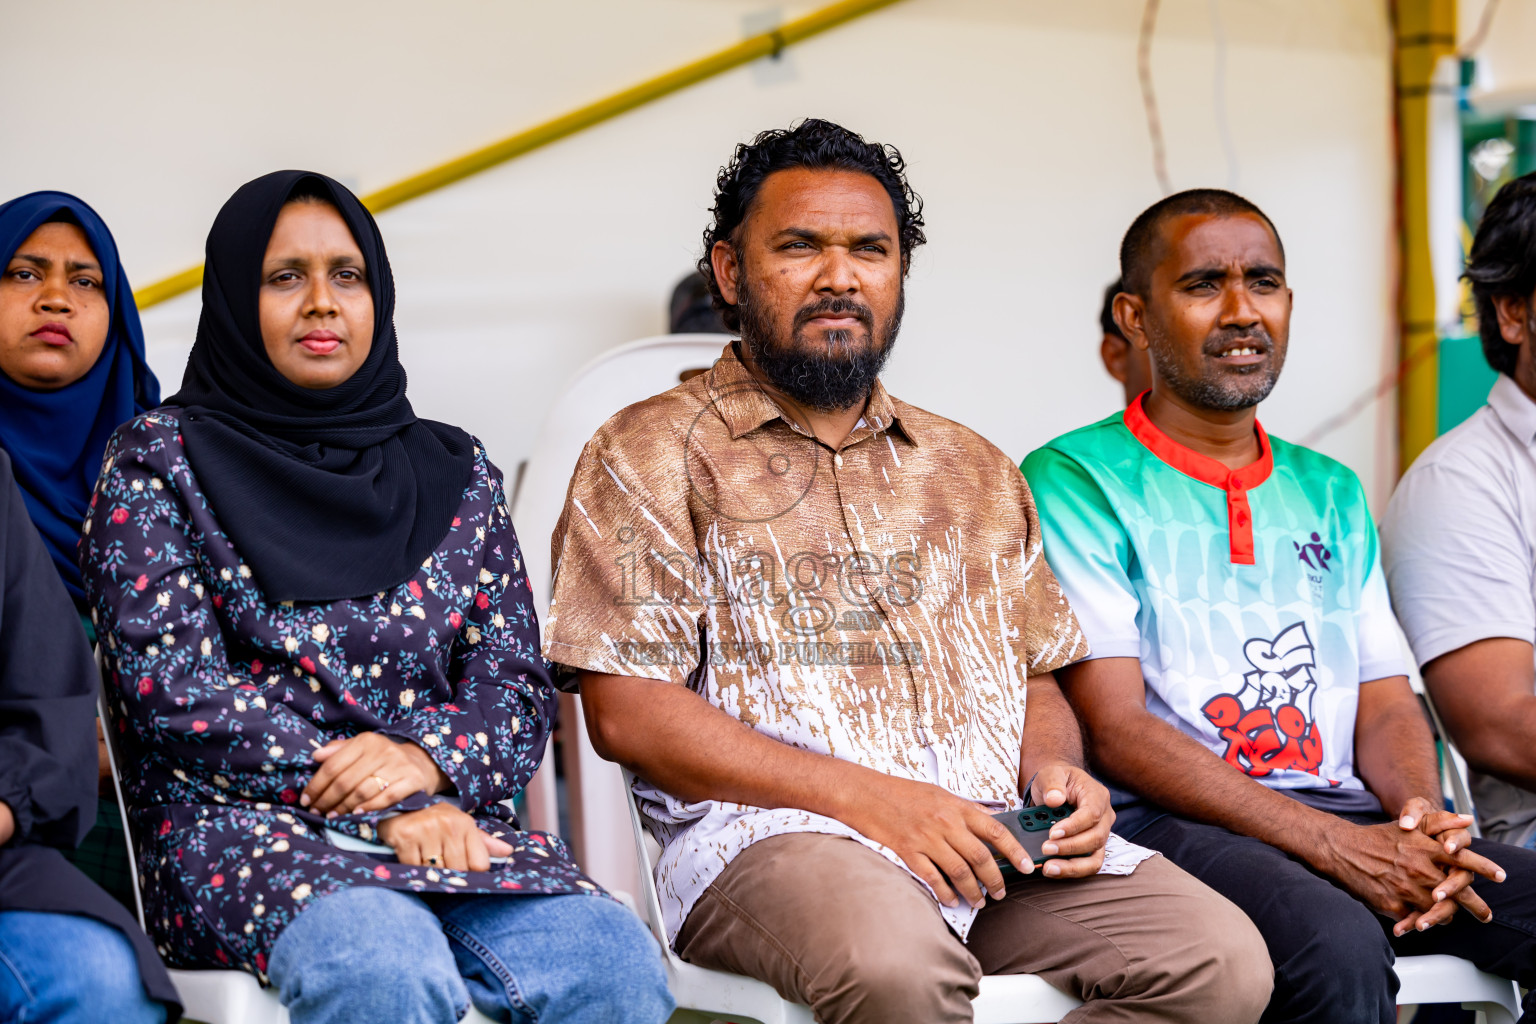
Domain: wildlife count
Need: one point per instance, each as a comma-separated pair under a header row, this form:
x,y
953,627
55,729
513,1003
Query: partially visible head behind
x,y
1107,311
54,313
1125,362
813,232
1205,295
1502,270
316,307
692,309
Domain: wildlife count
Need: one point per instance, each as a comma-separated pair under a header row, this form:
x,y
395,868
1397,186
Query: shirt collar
x,y
745,406
1514,408
1190,462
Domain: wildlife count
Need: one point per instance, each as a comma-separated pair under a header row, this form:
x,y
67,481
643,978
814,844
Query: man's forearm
x,y
676,740
1394,749
1486,697
1052,734
1503,747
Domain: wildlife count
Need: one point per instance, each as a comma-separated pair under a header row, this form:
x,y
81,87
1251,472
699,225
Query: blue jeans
x,y
377,954
66,969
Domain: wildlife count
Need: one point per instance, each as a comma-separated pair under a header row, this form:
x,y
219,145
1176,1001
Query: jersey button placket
x,y
1239,523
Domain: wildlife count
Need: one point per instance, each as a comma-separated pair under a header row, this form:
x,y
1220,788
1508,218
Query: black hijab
x,y
326,494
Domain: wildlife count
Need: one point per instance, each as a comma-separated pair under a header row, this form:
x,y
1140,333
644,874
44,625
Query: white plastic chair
x,y
1424,976
212,996
617,378
1453,767
1447,979
1004,998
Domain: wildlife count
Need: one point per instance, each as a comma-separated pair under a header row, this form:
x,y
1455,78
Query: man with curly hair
x,y
816,623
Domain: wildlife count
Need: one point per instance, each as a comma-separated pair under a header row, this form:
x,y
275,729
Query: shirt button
x,y
1234,486
837,460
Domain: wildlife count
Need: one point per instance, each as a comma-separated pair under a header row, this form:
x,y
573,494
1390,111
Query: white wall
x,y
1021,119
1506,77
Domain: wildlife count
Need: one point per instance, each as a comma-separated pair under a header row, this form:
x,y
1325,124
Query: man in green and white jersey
x,y
1246,689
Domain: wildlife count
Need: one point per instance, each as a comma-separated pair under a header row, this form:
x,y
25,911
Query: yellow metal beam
x,y
765,44
1425,32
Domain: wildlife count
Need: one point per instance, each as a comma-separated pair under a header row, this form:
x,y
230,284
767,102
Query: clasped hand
x,y
1417,870
947,841
369,772
441,836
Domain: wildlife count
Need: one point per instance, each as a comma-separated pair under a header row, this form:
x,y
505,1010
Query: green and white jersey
x,y
1253,598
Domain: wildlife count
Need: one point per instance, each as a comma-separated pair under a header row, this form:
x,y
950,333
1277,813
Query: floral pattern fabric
x,y
219,697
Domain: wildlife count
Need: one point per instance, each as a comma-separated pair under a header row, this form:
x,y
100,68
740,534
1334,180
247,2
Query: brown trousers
x,y
832,924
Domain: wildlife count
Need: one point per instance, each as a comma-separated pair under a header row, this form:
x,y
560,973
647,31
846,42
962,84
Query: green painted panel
x,y
1465,379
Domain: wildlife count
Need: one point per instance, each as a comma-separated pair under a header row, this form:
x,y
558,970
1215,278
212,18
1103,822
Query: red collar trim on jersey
x,y
1235,482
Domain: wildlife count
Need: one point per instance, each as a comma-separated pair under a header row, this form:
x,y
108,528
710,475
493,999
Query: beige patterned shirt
x,y
883,603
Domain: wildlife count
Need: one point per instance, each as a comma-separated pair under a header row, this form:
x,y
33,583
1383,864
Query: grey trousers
x,y
832,924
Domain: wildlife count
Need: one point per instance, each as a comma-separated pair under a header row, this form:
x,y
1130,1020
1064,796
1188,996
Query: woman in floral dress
x,y
326,666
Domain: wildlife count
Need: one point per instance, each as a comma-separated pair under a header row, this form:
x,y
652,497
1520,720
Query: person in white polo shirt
x,y
1459,536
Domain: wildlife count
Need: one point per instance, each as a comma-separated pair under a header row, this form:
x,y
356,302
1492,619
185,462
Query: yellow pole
x,y
1425,32
765,44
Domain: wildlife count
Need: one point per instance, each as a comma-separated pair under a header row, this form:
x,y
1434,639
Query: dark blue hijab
x,y
56,438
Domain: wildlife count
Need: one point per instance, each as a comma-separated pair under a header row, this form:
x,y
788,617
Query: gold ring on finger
x,y
383,783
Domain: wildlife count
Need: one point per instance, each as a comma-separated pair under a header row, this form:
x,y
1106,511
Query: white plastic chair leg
x,y
1440,978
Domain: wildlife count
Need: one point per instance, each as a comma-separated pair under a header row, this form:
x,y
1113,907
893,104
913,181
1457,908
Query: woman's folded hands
x,y
369,772
441,836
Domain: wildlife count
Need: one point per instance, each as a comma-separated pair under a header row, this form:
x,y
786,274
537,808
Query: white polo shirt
x,y
1459,546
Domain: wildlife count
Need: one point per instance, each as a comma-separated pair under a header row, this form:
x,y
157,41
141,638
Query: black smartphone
x,y
1031,827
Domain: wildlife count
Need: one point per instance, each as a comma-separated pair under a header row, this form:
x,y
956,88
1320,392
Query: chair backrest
x,y
114,758
614,380
1453,767
647,849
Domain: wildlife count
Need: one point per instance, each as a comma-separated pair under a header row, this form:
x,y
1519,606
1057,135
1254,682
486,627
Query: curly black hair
x,y
1503,262
818,145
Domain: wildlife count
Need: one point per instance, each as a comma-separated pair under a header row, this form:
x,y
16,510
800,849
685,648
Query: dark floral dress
x,y
220,696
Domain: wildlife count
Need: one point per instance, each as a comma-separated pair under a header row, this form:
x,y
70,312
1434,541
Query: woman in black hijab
x,y
325,661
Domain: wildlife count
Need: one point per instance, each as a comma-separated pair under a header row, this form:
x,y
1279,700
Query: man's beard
x,y
1239,388
839,376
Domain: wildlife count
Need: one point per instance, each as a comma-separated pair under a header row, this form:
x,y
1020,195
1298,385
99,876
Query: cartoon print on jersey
x,y
1268,724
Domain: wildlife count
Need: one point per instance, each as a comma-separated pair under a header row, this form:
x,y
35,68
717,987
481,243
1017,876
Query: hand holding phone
x,y
1032,828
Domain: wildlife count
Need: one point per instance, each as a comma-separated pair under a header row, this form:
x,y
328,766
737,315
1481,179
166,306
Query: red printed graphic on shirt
x,y
1268,724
